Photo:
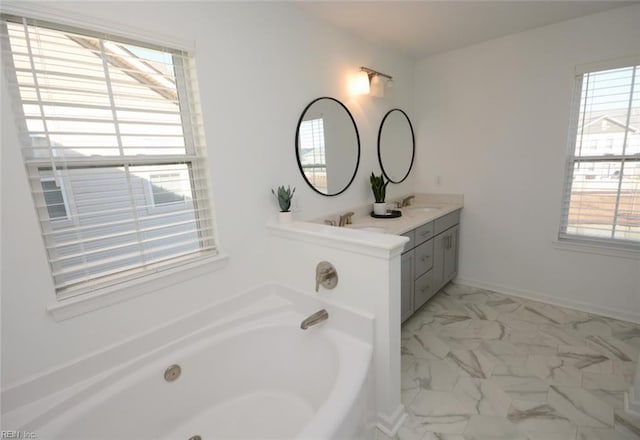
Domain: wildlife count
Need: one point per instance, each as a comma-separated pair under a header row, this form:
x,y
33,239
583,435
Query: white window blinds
x,y
112,128
602,192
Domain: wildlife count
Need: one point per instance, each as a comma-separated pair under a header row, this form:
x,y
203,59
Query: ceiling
x,y
423,28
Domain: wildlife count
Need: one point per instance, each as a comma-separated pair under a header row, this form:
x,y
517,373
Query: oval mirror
x,y
396,145
327,146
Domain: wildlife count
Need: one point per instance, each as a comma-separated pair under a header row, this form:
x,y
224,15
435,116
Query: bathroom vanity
x,y
430,258
429,261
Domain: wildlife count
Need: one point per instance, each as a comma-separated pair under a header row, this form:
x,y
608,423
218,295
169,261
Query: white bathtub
x,y
253,375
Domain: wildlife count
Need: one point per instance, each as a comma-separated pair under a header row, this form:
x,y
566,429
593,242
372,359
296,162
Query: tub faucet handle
x,y
326,275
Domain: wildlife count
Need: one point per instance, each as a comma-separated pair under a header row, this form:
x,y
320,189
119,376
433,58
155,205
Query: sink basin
x,y
378,229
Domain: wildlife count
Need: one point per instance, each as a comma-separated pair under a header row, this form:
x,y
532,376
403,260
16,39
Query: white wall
x,y
493,123
259,65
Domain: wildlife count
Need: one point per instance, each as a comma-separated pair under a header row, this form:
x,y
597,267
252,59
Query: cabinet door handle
x,y
425,233
424,289
424,258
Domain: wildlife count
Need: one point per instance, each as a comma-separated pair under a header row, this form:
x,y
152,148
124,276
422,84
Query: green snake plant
x,y
284,197
378,187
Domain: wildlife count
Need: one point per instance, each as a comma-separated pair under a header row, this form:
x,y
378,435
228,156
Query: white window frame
x,y
582,243
94,297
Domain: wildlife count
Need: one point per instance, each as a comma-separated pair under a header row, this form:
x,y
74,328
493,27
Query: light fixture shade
x,y
361,83
377,86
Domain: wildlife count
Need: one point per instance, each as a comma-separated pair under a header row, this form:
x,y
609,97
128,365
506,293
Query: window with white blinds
x,y
113,145
602,192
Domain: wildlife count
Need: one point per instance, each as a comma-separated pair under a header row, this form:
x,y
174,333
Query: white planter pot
x,y
285,217
380,208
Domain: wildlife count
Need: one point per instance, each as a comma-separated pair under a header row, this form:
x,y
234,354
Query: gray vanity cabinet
x,y
423,258
445,261
416,264
430,261
451,254
406,285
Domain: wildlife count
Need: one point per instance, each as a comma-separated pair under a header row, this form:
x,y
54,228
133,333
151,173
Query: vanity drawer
x,y
424,289
412,240
424,232
445,222
423,260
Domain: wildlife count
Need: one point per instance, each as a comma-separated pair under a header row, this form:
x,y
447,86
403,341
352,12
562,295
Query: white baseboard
x,y
623,315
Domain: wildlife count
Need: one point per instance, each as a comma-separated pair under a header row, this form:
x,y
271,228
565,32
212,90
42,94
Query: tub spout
x,y
319,316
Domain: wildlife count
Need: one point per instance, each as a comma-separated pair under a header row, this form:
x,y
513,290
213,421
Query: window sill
x,y
106,296
565,244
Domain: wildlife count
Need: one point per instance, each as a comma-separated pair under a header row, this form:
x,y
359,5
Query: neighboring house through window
x,y
602,196
54,199
115,122
167,189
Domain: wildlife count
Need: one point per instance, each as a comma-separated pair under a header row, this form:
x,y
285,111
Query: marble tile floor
x,y
479,365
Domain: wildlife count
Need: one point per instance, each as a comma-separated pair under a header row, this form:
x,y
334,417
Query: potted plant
x,y
284,197
379,189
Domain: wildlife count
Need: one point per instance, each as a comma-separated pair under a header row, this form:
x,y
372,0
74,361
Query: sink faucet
x,y
345,219
316,318
406,201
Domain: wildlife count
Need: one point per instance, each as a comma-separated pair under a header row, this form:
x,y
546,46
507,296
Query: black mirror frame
x,y
413,152
297,142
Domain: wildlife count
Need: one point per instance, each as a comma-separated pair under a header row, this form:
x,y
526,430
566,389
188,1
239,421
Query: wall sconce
x,y
371,82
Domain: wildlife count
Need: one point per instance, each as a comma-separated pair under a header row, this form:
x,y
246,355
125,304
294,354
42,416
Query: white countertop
x,y
423,209
367,235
